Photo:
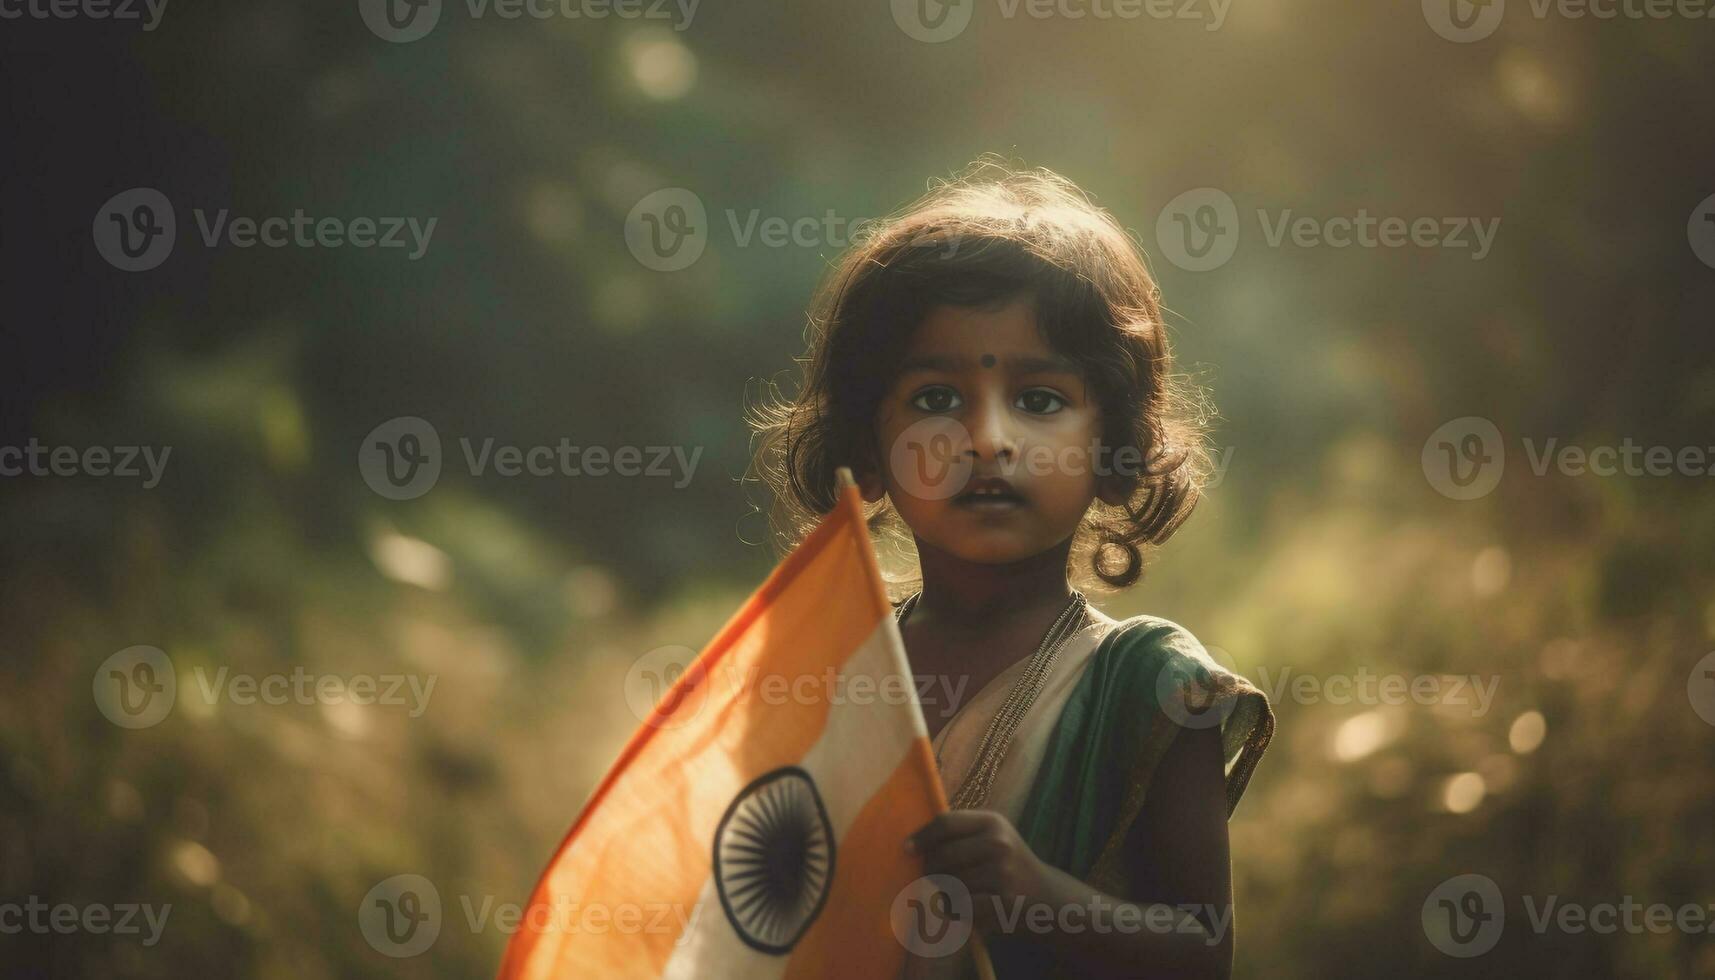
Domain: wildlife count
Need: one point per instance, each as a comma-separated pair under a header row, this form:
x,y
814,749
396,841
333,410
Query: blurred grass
x,y
1325,551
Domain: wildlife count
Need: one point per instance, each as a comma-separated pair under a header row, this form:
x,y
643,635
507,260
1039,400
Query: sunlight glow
x,y
1527,732
1464,792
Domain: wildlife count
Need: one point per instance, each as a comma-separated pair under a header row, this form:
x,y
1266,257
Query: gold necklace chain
x,y
997,737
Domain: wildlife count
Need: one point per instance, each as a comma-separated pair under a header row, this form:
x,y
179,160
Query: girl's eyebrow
x,y
1026,364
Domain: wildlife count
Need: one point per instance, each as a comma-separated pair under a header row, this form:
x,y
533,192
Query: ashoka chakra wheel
x,y
774,859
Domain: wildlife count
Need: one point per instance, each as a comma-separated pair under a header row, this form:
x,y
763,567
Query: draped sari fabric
x,y
1079,769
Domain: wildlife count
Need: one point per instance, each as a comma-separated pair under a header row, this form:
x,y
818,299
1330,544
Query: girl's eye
x,y
1040,401
937,398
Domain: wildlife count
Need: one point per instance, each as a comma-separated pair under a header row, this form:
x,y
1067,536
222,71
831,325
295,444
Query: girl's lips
x,y
989,503
989,494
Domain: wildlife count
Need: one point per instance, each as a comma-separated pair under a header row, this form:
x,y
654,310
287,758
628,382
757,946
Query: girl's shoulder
x,y
1155,661
1144,640
1153,671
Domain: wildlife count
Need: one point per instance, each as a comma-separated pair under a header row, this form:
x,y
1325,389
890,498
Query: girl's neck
x,y
972,594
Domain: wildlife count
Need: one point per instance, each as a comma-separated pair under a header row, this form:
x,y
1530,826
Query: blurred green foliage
x,y
1323,551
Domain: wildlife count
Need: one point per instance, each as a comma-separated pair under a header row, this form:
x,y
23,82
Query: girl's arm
x,y
1178,924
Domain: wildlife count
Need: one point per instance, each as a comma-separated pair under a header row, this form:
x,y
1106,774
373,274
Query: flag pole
x,y
843,480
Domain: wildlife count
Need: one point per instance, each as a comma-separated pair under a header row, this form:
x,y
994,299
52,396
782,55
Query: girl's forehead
x,y
974,342
980,335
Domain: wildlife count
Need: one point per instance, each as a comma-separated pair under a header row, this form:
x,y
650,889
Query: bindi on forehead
x,y
988,360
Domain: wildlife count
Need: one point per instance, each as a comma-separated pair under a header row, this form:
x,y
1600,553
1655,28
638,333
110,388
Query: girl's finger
x,y
953,823
959,854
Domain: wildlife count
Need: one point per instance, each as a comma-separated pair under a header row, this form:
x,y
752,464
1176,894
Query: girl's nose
x,y
992,435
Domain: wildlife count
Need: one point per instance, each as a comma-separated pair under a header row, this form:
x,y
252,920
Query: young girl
x,y
993,367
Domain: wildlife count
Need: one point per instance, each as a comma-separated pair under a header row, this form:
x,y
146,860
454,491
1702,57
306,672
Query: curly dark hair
x,y
990,234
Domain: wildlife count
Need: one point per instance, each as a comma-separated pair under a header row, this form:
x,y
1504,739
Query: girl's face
x,y
988,437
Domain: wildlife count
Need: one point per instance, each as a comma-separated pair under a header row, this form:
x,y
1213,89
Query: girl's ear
x,y
869,485
868,475
1112,490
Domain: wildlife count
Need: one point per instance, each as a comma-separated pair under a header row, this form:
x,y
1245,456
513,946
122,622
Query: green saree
x,y
1126,691
1148,680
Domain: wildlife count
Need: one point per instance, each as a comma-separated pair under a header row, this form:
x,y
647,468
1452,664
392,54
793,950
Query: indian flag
x,y
754,827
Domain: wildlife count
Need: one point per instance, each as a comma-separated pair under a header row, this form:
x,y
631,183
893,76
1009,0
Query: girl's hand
x,y
983,850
